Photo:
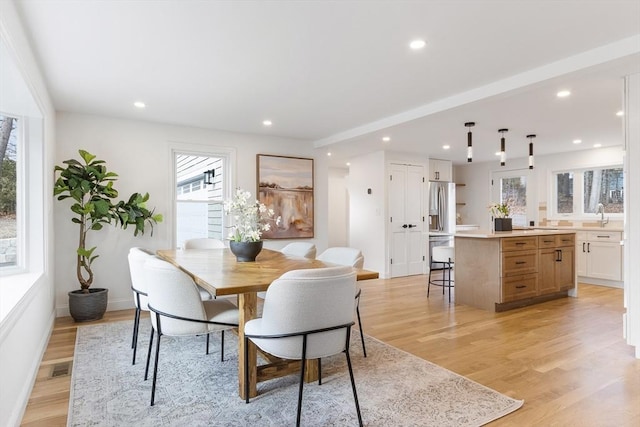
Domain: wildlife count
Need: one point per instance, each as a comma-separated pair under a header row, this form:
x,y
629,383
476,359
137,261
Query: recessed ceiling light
x,y
267,122
139,104
329,153
348,164
417,44
597,145
498,153
563,94
620,113
386,138
577,141
446,147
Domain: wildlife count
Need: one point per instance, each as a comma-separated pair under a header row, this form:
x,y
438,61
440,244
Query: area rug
x,y
395,388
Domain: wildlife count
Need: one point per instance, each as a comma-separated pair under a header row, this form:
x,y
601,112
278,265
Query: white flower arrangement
x,y
250,217
499,210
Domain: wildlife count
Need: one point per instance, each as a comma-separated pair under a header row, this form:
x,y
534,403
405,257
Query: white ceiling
x,y
340,75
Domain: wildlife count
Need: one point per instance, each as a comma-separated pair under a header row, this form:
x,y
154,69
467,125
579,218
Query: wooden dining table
x,y
217,271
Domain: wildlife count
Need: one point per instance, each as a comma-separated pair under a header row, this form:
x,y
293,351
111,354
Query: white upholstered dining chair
x,y
137,257
351,257
177,310
203,243
307,314
302,249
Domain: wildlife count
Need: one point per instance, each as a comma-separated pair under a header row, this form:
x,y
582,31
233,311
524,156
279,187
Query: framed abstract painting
x,y
285,184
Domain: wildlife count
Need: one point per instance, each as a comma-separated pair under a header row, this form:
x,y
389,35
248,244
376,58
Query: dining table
x,y
218,272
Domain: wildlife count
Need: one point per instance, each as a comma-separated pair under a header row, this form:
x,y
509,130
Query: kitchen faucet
x,y
600,210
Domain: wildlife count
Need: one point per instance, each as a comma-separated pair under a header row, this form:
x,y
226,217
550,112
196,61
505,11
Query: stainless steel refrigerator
x,y
442,214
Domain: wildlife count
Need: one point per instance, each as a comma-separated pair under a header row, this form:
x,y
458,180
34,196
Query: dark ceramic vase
x,y
245,251
85,307
503,224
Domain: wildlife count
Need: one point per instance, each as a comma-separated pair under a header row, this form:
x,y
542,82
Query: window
x,y
578,193
515,188
199,196
8,191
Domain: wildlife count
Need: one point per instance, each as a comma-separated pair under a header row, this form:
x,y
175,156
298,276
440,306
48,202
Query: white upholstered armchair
x,y
352,257
178,310
307,314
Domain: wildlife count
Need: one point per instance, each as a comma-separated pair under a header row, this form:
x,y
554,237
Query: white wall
x,y
477,176
338,205
140,152
26,325
367,225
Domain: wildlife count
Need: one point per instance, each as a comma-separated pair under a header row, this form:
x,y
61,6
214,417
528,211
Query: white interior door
x,y
406,218
517,189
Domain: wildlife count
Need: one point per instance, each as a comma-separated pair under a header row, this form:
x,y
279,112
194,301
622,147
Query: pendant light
x,y
469,142
531,150
503,153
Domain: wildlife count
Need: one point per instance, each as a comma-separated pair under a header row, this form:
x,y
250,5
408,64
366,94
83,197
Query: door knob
x,y
405,226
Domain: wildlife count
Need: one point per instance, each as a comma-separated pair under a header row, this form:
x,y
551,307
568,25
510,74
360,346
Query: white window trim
x,y
577,189
228,156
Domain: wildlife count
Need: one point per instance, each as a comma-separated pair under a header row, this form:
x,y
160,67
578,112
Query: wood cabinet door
x,y
565,273
547,271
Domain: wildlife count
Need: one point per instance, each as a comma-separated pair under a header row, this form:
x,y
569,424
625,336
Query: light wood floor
x,y
566,358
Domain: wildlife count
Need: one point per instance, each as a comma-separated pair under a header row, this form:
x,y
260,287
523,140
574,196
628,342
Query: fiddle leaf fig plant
x,y
88,182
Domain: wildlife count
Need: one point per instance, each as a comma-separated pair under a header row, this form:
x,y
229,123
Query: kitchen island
x,y
499,271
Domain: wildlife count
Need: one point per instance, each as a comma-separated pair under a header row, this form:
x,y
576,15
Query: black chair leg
x,y
246,369
146,370
353,387
429,281
302,366
319,371
207,343
155,371
136,319
221,346
364,349
134,342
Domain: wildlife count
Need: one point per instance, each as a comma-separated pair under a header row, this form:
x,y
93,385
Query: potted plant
x,y
500,214
250,218
88,182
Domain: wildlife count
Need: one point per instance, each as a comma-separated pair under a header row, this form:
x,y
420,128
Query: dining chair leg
x,y
302,366
207,343
146,370
222,346
429,281
319,371
364,348
155,370
353,387
136,319
246,369
353,382
134,342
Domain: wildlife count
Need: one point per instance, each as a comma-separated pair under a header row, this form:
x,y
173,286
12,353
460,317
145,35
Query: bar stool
x,y
444,255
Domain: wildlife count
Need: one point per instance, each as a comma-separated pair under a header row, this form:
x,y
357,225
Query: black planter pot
x,y
85,307
245,251
503,224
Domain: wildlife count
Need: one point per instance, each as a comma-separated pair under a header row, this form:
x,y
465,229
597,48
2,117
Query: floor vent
x,y
61,369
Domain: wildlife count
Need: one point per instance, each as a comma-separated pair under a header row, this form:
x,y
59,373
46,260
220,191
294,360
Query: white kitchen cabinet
x,y
440,170
599,254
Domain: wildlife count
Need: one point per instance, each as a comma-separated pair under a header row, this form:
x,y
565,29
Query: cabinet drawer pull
x,y
521,286
520,262
583,247
551,241
603,237
521,243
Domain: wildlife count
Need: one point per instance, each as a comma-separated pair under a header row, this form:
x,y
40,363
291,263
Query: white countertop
x,y
487,234
564,227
